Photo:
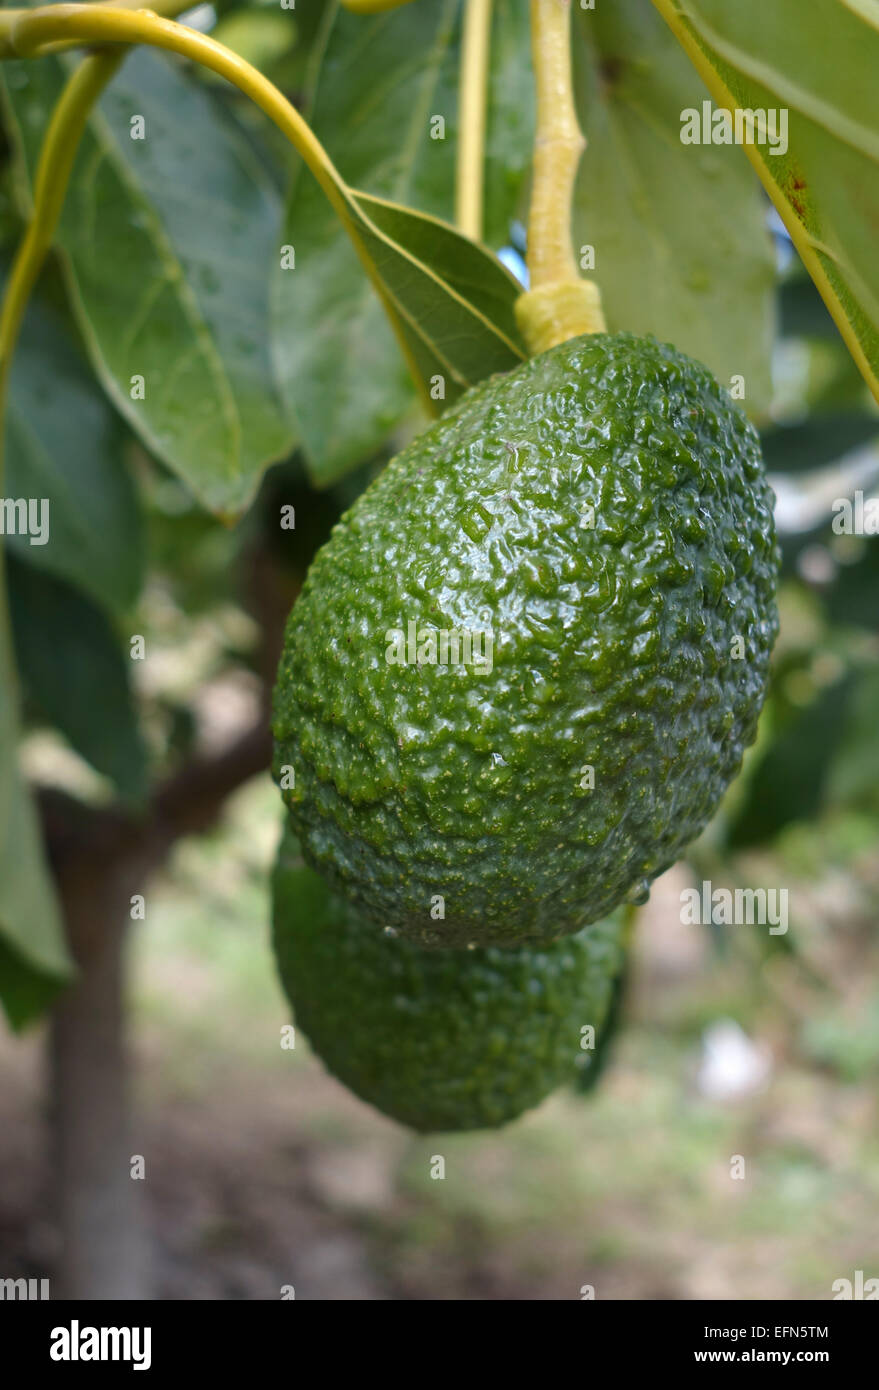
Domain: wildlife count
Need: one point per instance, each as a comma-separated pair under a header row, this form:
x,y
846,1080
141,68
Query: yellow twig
x,y
470,170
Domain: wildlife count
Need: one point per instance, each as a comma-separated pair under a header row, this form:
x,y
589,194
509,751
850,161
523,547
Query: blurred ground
x,y
262,1171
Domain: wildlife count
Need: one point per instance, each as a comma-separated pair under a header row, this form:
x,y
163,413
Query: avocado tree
x,y
251,251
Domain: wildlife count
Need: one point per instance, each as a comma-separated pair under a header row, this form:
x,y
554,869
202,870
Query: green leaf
x,y
337,360
802,311
817,62
381,79
681,246
790,781
854,777
818,441
169,241
471,272
510,118
34,961
66,445
74,674
444,314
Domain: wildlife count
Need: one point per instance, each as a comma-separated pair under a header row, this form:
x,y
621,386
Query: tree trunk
x,y
100,858
103,1251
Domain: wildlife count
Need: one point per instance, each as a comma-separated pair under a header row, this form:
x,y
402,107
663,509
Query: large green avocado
x,y
600,523
439,1040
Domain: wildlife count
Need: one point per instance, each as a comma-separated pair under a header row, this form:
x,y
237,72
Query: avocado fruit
x,y
524,669
437,1040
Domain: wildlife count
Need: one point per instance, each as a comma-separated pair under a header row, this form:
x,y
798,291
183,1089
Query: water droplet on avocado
x,y
639,893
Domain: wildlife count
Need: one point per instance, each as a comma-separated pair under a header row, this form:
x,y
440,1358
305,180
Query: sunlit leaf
x,y
681,246
817,64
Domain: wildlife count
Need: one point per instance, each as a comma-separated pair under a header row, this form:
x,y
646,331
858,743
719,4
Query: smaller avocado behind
x,y
437,1039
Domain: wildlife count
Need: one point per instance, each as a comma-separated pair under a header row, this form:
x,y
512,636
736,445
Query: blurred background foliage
x,y
265,1171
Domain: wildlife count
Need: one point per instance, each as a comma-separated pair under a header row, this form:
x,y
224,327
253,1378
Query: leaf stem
x,y
32,33
99,24
470,169
559,305
57,156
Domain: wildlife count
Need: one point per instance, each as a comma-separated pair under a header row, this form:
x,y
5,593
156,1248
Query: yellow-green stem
x,y
100,24
558,305
373,6
9,18
557,148
50,184
472,97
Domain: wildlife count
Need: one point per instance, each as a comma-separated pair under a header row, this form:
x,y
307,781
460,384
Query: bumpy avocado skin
x,y
604,510
438,1040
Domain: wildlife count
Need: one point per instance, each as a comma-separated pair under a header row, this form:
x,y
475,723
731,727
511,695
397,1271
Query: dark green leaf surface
x,y
790,781
509,132
381,80
450,300
818,441
465,267
65,443
33,957
73,672
170,241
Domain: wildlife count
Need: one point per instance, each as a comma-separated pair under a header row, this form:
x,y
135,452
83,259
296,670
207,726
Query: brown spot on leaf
x,y
610,70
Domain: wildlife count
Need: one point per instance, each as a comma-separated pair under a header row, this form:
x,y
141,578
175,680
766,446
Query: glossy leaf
x,y
170,239
444,317
65,444
681,246
817,63
464,266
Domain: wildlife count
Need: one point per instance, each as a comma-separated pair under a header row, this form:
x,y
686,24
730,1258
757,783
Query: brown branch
x,y
191,800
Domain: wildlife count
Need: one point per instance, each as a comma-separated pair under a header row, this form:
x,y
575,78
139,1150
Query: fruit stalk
x,y
559,304
470,171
